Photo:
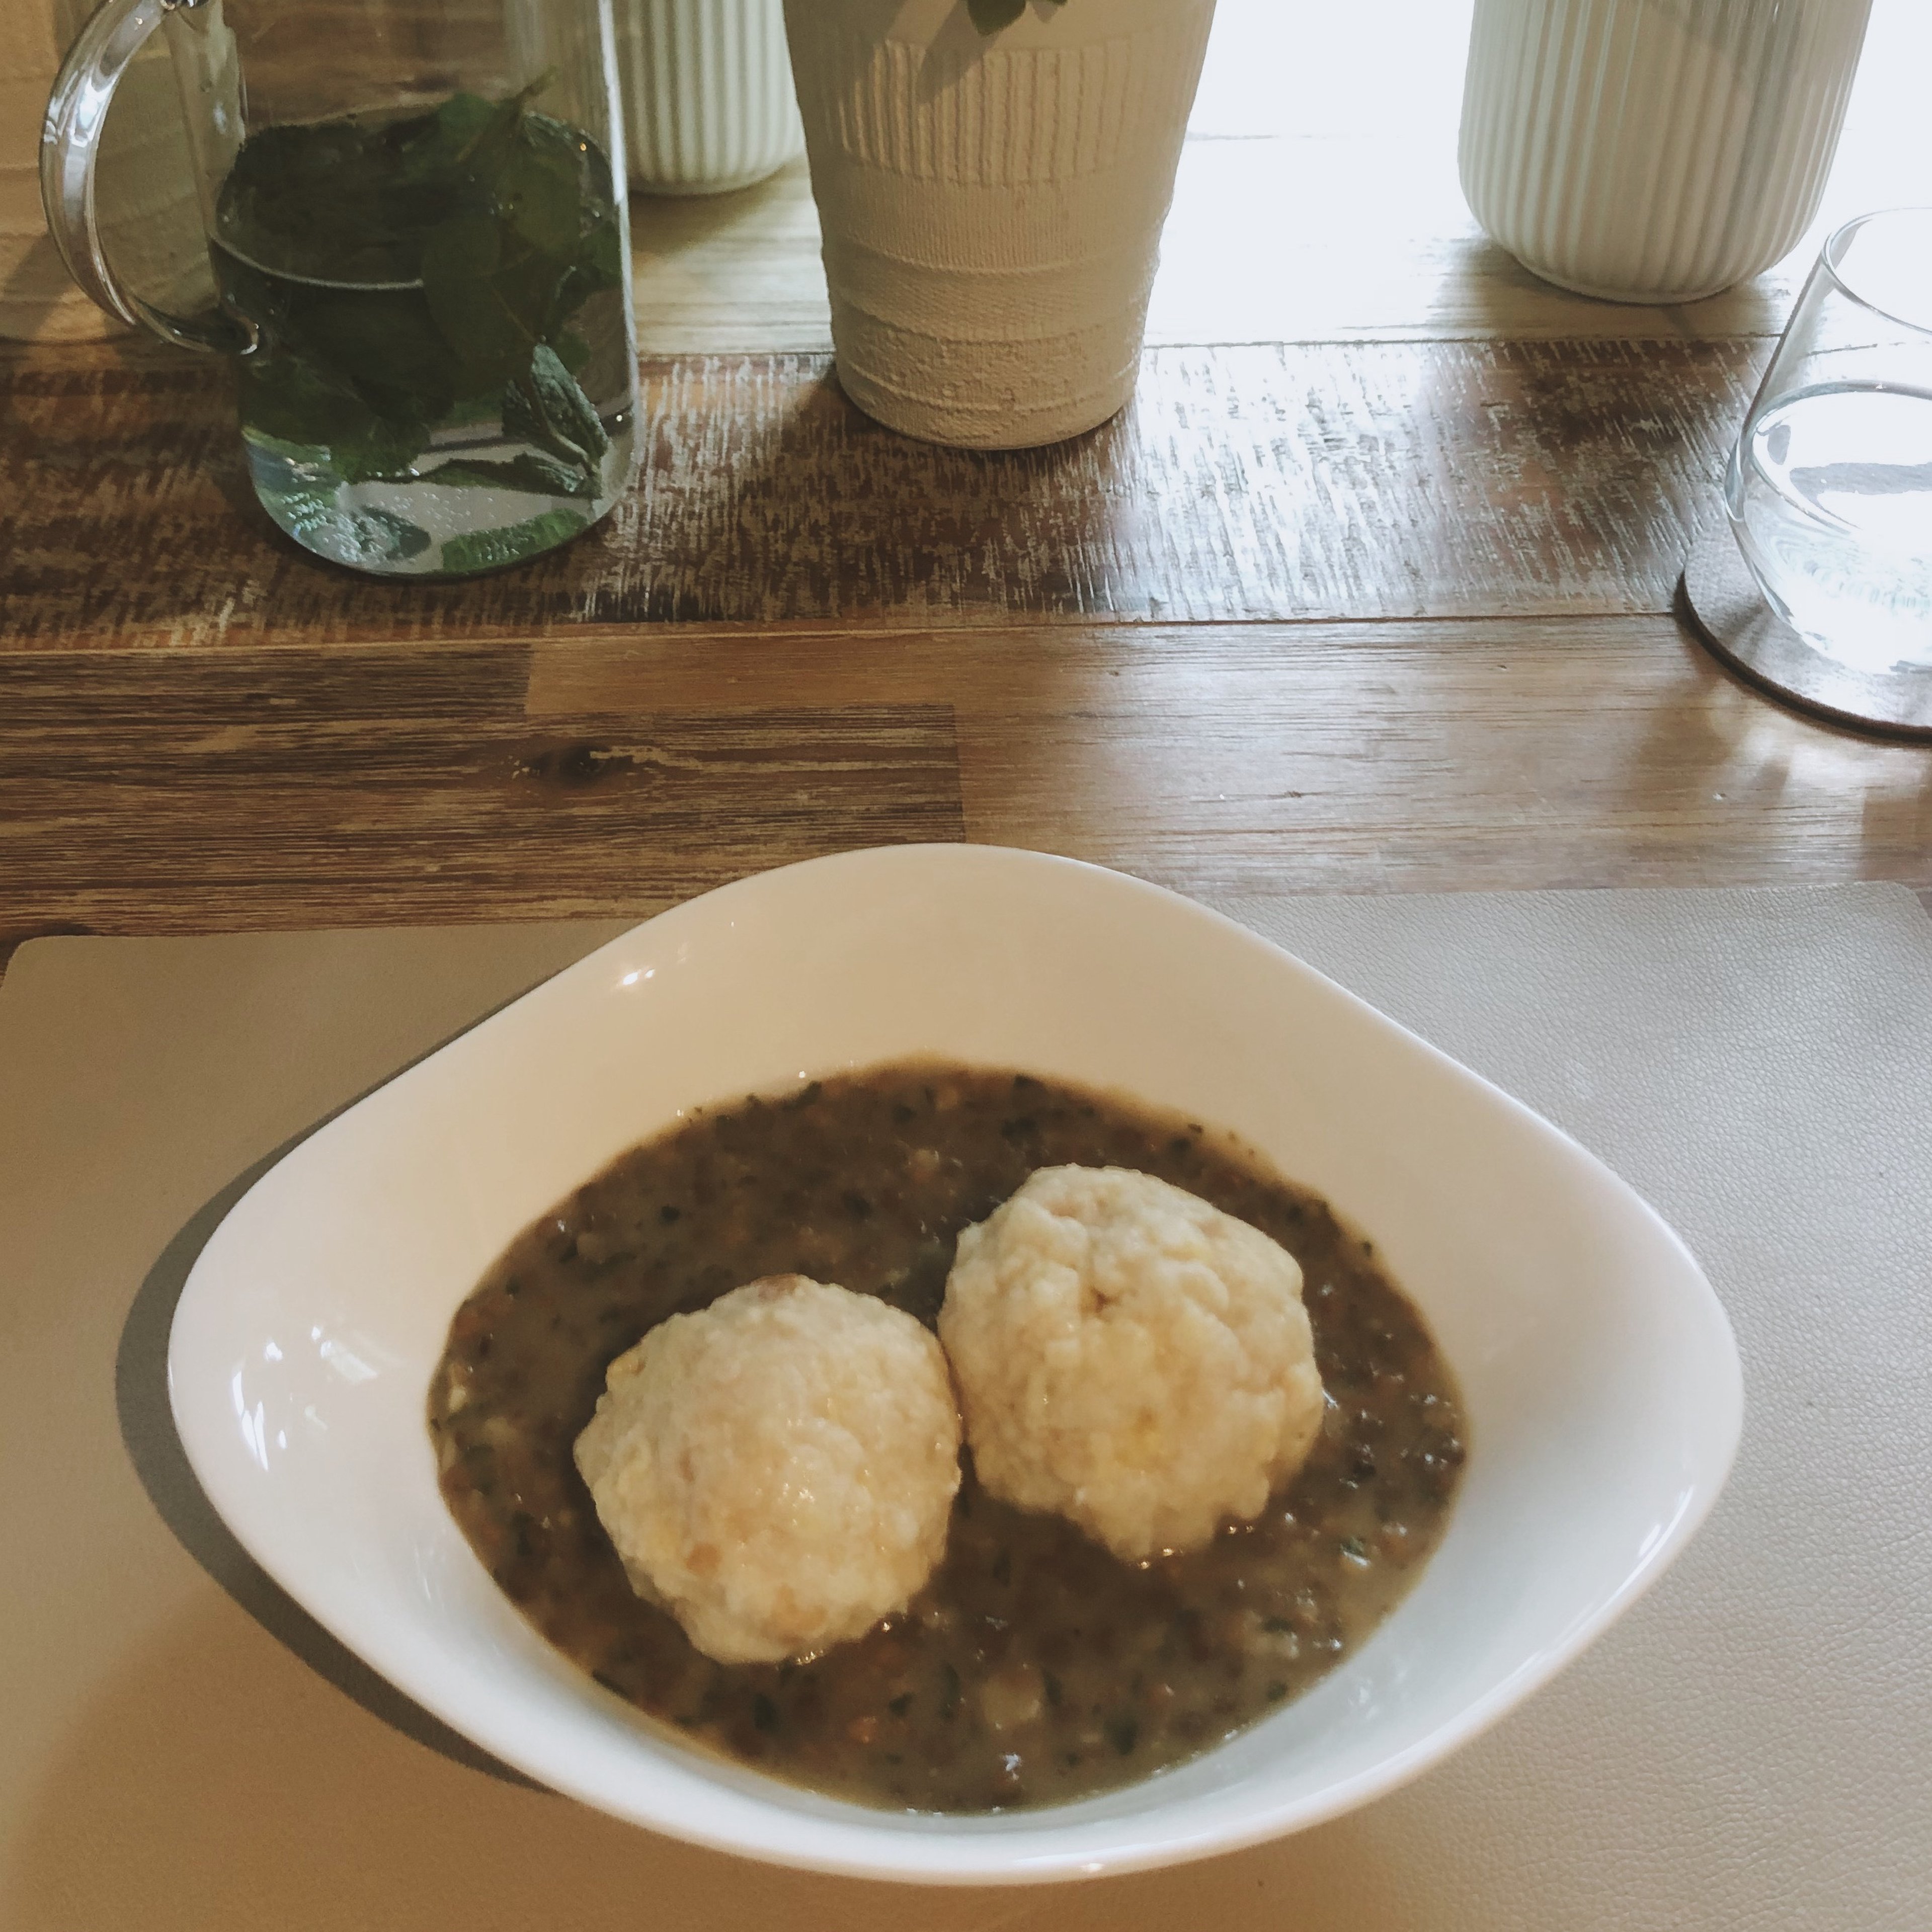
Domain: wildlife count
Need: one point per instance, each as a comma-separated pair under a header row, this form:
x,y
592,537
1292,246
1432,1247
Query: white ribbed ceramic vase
x,y
708,101
1654,151
992,208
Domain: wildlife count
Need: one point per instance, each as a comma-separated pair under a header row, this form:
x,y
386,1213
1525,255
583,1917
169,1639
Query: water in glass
x,y
441,377
1830,492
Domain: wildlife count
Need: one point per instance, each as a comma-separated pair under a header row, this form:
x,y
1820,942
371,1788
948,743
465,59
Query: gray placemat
x,y
1750,1748
1745,1752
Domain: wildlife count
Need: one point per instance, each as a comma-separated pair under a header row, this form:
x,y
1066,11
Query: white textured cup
x,y
1654,151
991,208
708,101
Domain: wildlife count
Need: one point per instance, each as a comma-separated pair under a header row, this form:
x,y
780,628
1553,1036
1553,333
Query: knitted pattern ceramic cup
x,y
991,206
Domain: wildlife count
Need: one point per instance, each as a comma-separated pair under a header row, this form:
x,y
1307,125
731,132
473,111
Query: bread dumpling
x,y
778,1470
1130,1357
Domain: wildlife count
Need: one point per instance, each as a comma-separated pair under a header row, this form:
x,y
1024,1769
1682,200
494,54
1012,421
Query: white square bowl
x,y
1601,1381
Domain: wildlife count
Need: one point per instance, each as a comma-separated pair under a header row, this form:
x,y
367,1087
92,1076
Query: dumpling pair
x,y
778,1471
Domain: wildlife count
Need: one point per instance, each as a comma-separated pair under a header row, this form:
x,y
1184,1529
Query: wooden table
x,y
1371,588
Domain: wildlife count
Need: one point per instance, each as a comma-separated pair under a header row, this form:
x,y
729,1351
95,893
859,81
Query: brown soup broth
x,y
1035,1668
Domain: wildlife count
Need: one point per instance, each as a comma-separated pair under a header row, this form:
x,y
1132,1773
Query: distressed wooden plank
x,y
735,273
193,792
1312,204
1418,756
209,791
1359,481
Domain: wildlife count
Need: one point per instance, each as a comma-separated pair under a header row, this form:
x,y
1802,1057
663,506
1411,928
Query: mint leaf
x,y
543,475
474,301
552,411
383,343
404,538
455,124
305,408
538,193
487,550
604,253
384,452
483,149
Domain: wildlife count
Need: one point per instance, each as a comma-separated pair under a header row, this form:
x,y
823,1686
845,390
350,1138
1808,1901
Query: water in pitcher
x,y
1830,497
441,381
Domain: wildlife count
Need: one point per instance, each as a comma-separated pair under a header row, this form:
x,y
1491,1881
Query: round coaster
x,y
1742,628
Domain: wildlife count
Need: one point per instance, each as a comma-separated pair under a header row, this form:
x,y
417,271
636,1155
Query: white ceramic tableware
x,y
991,205
1600,1381
1654,151
708,99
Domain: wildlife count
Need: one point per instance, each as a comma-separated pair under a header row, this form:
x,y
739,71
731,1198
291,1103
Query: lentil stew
x,y
1035,1667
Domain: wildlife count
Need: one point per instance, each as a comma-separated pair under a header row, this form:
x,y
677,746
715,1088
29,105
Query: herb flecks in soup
x,y
1035,1667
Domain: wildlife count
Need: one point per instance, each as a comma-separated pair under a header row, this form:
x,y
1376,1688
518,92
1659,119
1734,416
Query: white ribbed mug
x,y
1654,151
708,101
992,205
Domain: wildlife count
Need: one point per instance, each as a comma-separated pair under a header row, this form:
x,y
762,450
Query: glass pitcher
x,y
416,214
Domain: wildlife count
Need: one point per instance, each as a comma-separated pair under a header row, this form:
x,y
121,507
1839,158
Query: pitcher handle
x,y
69,147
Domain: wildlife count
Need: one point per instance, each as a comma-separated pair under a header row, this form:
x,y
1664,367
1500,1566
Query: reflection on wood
x,y
1352,244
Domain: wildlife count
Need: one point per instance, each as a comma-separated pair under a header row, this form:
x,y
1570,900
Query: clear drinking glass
x,y
1829,488
415,213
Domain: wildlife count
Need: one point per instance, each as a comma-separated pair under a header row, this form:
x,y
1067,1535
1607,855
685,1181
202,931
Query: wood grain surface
x,y
356,787
176,793
1371,589
1270,482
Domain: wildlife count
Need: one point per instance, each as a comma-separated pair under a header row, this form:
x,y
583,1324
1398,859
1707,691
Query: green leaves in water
x,y
496,280
528,470
417,273
546,407
486,550
369,536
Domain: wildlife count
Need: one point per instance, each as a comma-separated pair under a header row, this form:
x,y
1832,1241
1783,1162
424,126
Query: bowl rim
x,y
903,1852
